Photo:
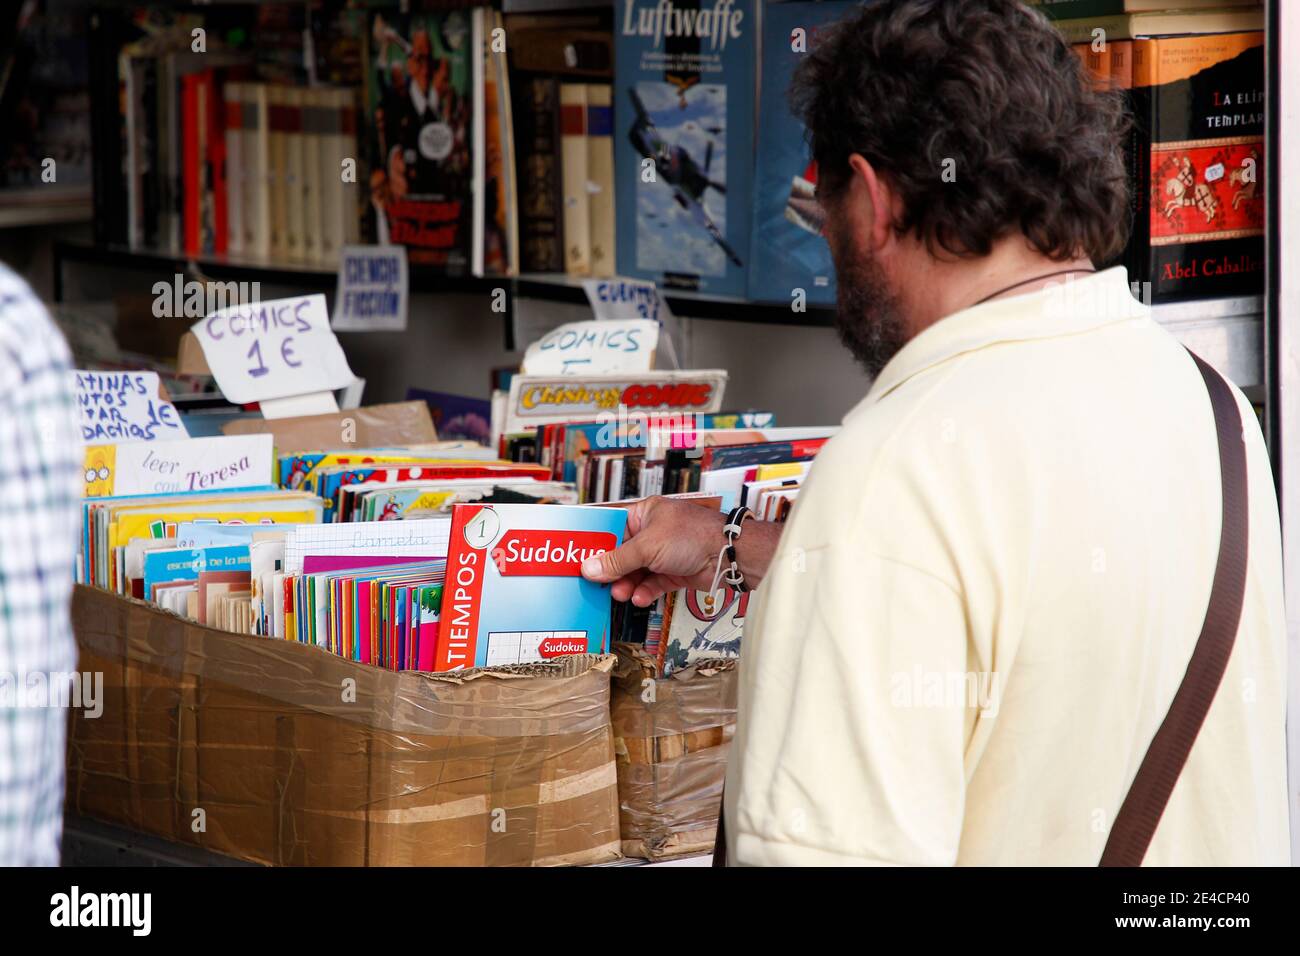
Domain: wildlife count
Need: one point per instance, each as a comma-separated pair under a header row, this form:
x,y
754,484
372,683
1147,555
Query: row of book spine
x,y
247,169
290,186
564,144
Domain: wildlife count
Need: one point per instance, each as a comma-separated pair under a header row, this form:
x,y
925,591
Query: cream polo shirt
x,y
987,595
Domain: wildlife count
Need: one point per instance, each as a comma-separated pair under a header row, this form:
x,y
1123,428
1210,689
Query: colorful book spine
x,y
277,178
312,193
573,171
233,101
191,162
295,174
257,169
600,177
216,201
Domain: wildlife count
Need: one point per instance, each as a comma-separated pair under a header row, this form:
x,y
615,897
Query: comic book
x,y
420,132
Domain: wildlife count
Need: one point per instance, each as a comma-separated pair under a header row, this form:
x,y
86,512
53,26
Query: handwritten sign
x,y
373,290
625,299
124,406
582,348
273,349
186,464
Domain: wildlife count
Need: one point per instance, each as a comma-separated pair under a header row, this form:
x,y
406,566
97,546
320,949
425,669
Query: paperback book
x,y
787,247
684,141
515,593
1200,166
420,131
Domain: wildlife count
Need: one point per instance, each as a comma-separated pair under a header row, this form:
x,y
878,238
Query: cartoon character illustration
x,y
297,472
391,511
99,470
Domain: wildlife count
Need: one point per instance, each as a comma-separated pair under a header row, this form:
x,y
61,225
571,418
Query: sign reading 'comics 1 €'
x,y
274,349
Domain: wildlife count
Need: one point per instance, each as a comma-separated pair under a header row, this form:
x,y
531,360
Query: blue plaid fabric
x,y
40,488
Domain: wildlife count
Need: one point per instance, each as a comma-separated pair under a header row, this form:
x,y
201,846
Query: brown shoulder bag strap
x,y
1139,815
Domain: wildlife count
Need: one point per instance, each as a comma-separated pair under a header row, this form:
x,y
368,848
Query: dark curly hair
x,y
989,84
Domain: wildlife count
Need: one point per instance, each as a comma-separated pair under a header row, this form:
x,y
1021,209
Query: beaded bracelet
x,y
731,532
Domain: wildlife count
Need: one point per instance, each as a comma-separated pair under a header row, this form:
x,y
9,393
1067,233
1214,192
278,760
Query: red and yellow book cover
x,y
1199,111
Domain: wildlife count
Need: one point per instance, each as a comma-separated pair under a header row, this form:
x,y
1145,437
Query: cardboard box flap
x,y
370,426
695,698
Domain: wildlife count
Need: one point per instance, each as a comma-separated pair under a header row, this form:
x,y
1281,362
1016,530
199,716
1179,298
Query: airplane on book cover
x,y
680,171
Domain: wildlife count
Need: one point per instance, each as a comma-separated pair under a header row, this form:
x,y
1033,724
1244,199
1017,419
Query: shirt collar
x,y
1060,308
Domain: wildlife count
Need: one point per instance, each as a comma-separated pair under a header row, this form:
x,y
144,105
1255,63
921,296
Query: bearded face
x,y
867,313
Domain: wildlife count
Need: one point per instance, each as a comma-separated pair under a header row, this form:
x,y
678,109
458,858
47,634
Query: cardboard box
x,y
370,426
671,739
282,753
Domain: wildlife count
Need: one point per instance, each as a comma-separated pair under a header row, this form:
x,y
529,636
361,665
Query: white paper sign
x,y
373,290
618,298
586,348
273,349
317,403
625,299
187,464
124,406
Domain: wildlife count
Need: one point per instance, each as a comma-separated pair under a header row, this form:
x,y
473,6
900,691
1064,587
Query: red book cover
x,y
190,176
514,592
216,115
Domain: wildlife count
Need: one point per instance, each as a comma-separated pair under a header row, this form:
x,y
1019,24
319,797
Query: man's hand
x,y
672,544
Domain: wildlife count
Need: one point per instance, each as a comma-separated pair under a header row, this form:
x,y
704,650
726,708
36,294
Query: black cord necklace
x,y
1059,272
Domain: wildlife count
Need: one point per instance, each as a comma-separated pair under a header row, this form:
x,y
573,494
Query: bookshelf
x,y
544,286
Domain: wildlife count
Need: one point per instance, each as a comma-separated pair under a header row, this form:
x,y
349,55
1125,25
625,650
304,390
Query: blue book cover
x,y
457,416
185,564
788,250
684,141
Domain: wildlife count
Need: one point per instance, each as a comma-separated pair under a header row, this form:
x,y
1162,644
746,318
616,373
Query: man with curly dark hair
x,y
989,589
